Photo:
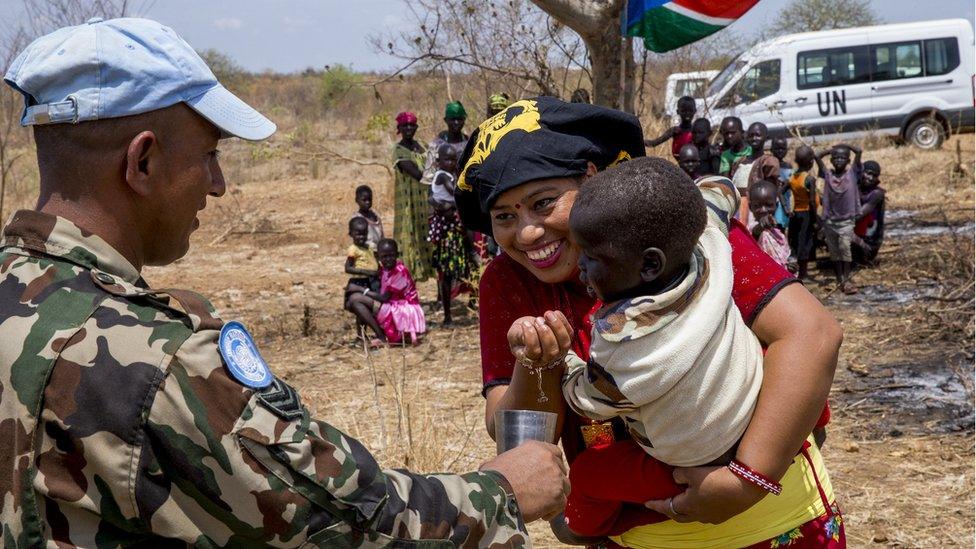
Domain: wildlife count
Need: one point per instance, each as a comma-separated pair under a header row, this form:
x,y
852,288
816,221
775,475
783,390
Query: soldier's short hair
x,y
364,189
646,202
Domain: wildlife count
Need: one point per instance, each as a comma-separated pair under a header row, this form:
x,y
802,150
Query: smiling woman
x,y
521,174
542,243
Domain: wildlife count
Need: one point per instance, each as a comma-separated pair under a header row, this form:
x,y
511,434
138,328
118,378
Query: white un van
x,y
913,81
680,84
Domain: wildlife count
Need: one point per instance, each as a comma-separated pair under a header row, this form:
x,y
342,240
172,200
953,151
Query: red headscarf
x,y
406,117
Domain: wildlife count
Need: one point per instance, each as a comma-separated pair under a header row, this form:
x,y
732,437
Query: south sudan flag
x,y
665,26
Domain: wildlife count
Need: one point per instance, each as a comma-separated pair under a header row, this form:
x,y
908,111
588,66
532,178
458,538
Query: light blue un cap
x,y
121,67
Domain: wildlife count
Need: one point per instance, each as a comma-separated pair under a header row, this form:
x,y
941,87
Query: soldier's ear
x,y
137,162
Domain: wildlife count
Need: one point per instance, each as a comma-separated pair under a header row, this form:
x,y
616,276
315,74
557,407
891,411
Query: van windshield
x,y
722,78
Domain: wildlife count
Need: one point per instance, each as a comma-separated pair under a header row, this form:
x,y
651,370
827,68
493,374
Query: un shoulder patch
x,y
242,358
282,399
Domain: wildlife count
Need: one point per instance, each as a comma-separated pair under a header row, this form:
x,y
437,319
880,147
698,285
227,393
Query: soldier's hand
x,y
538,476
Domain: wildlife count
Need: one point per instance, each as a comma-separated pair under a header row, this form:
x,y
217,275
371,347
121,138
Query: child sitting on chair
x,y
361,264
396,306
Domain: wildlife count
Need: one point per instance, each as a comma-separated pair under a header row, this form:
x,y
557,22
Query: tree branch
x,y
333,154
586,17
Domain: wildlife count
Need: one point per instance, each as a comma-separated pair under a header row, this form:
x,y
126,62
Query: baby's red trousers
x,y
610,484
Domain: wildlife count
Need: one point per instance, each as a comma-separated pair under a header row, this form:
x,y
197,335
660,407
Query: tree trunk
x,y
605,52
629,80
598,24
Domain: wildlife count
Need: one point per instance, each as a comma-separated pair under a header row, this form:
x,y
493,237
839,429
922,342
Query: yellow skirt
x,y
799,503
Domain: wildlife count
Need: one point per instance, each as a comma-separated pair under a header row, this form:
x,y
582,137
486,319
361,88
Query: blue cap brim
x,y
231,115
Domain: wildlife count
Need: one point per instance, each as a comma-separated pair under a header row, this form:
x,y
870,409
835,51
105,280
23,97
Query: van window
x,y
761,80
722,78
941,56
897,60
693,88
833,67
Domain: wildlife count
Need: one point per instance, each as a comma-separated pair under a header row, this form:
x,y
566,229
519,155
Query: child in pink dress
x,y
399,312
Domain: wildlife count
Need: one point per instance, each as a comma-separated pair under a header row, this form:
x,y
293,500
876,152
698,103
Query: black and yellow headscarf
x,y
538,139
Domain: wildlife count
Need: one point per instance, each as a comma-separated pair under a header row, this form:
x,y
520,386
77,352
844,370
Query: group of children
x,y
783,205
381,292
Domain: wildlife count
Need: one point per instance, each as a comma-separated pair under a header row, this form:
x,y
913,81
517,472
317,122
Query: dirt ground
x,y
900,446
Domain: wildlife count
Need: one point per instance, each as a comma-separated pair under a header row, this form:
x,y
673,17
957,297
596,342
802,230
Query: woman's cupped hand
x,y
538,341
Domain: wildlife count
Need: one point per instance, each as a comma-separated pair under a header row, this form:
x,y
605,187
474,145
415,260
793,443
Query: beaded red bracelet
x,y
749,474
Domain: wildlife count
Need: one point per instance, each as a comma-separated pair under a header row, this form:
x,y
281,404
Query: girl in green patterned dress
x,y
410,200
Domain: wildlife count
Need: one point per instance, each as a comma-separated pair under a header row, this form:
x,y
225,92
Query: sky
x,y
291,35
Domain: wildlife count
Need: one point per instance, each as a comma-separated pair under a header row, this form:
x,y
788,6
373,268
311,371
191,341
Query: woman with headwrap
x,y
520,176
410,199
455,117
497,102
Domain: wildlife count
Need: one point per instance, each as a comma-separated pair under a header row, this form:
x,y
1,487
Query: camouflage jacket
x,y
122,426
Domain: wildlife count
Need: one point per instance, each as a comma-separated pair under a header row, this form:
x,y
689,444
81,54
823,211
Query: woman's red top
x,y
509,291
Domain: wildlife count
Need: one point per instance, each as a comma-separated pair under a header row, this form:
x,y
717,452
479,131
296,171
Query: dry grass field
x,y
900,447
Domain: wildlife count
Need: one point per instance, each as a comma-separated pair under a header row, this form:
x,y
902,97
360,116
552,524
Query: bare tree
x,y
11,104
43,16
525,47
815,15
517,41
507,44
713,52
611,57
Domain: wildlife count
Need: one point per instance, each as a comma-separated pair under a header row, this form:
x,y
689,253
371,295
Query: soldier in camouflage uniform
x,y
123,421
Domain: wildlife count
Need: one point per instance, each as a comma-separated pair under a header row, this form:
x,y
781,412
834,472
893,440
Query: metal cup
x,y
513,427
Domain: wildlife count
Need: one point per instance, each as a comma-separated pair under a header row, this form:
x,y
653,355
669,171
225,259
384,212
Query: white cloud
x,y
228,23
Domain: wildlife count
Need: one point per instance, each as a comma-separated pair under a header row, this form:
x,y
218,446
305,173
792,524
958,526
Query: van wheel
x,y
925,133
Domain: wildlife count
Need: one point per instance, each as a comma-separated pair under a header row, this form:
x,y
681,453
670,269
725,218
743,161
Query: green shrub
x,y
377,126
337,83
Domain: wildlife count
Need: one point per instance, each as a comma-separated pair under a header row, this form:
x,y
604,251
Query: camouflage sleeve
x,y
721,200
225,465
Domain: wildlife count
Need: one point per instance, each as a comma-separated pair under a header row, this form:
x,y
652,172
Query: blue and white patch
x,y
242,357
